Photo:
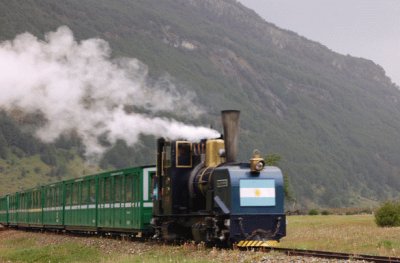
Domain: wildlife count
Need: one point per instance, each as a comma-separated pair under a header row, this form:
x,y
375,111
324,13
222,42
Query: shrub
x,y
313,212
388,214
325,212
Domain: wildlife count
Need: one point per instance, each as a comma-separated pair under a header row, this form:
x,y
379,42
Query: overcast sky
x,y
361,28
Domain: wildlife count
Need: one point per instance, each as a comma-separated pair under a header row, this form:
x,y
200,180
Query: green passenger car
x,y
35,207
4,210
53,205
80,197
124,201
116,201
13,209
23,208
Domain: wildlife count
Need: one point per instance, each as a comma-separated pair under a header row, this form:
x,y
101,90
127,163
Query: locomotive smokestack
x,y
230,121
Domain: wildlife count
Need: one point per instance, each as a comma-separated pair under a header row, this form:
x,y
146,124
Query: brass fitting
x,y
213,150
257,163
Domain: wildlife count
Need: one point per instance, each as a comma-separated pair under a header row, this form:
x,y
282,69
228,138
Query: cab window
x,y
184,154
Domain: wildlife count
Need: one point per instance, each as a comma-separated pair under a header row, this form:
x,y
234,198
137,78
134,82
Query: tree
x,y
48,156
3,147
388,215
273,159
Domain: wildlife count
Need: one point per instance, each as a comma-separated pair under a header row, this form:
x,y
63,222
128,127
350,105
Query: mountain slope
x,y
333,118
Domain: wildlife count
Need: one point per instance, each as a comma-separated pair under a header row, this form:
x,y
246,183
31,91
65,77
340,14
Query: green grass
x,y
18,242
26,250
355,234
351,234
20,246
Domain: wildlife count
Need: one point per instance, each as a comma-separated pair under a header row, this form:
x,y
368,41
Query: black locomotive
x,y
202,193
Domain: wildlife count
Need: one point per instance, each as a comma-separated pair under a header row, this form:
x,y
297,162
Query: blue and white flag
x,y
258,192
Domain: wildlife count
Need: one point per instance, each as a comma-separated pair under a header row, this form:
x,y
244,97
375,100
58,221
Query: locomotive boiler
x,y
202,193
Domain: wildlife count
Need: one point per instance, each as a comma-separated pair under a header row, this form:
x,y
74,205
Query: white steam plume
x,y
78,87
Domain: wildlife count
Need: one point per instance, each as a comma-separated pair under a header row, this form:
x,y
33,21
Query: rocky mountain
x,y
333,118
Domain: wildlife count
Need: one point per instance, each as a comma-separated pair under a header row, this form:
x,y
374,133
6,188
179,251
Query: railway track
x,y
334,255
286,251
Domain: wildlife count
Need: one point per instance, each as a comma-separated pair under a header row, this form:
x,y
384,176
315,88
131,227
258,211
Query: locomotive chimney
x,y
230,121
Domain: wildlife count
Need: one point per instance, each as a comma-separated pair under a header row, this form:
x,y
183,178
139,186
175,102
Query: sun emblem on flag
x,y
257,192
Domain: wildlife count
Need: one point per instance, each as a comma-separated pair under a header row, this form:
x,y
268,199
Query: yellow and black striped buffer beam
x,y
257,243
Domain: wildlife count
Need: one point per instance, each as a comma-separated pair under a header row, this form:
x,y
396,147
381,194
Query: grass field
x,y
355,233
21,246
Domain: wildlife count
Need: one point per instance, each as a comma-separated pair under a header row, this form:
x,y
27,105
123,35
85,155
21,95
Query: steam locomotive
x,y
197,191
203,193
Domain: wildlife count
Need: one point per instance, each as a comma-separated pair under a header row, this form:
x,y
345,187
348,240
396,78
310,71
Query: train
x,y
196,191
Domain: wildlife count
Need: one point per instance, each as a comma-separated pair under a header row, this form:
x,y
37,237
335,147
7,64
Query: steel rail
x,y
334,255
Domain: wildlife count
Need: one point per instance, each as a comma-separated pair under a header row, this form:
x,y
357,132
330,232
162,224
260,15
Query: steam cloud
x,y
78,87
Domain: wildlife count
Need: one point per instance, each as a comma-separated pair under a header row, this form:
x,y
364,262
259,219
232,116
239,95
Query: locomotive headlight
x,y
256,162
260,165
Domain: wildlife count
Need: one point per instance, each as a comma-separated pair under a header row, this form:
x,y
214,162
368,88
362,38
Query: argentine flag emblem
x,y
259,192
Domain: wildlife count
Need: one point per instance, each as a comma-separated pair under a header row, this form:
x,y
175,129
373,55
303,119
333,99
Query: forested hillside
x,y
334,119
